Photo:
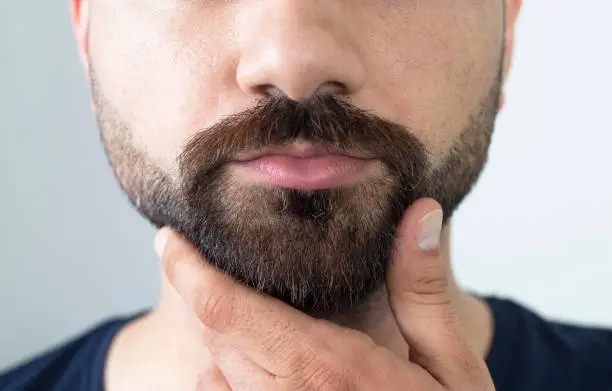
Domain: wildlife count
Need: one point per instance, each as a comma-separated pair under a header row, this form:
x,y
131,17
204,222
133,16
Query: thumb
x,y
418,287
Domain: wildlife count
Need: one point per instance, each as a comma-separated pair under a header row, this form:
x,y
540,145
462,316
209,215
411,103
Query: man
x,y
303,160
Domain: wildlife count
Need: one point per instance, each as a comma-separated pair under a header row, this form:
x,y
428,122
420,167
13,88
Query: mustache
x,y
326,119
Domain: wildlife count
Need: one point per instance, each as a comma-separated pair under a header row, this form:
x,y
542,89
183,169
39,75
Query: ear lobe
x,y
79,12
513,8
512,11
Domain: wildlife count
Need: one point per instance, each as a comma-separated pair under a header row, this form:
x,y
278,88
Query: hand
x,y
262,344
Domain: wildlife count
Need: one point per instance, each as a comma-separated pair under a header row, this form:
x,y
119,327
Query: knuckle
x,y
323,371
430,284
328,365
427,299
216,308
287,350
301,365
322,377
427,289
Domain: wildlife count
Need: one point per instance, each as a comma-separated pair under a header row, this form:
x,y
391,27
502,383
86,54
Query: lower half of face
x,y
322,249
301,198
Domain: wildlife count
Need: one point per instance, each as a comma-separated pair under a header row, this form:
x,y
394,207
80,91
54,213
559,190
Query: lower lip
x,y
312,173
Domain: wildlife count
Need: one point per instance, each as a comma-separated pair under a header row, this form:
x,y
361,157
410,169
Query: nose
x,y
297,48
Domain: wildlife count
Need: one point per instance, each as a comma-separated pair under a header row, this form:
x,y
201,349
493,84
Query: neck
x,y
167,341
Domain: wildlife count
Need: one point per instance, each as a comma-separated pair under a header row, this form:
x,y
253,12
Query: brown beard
x,y
322,251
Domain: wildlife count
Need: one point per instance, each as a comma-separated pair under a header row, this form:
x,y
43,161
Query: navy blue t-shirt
x,y
527,353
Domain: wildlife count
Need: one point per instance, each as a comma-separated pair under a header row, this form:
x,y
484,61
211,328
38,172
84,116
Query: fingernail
x,y
429,230
160,242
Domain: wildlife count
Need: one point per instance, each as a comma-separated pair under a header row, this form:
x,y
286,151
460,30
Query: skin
x,y
262,344
218,58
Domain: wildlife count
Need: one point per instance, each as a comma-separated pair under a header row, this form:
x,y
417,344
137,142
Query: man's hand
x,y
261,343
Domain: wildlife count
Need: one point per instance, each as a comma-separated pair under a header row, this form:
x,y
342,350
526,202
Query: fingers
x,y
240,372
270,333
418,287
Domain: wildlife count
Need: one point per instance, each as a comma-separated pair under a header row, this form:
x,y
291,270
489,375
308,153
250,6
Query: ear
x,y
79,10
513,8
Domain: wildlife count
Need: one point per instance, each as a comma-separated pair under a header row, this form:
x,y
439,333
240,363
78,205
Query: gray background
x,y
538,227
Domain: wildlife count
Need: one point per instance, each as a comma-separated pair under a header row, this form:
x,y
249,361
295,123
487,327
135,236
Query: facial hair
x,y
324,251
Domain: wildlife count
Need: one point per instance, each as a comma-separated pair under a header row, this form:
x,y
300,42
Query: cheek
x,y
433,65
169,72
160,71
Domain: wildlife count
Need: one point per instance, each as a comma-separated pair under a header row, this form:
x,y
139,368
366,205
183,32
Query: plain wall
x,y
537,228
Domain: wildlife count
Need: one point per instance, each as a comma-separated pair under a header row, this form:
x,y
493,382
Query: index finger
x,y
268,331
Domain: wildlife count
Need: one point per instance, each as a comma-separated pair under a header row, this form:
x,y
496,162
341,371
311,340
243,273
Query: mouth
x,y
303,166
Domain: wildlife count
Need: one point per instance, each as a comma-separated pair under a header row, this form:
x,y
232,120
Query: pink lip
x,y
298,149
301,167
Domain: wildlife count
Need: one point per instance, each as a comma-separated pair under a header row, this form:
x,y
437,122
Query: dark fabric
x,y
528,353
75,366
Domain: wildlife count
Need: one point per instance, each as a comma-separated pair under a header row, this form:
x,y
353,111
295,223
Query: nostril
x,y
269,90
332,88
328,88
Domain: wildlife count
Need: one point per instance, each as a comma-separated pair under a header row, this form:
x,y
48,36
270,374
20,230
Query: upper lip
x,y
299,150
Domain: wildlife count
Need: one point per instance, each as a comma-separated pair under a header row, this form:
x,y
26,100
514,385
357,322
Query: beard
x,y
323,251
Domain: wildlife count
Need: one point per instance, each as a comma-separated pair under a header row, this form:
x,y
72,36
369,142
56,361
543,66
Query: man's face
x,y
286,137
